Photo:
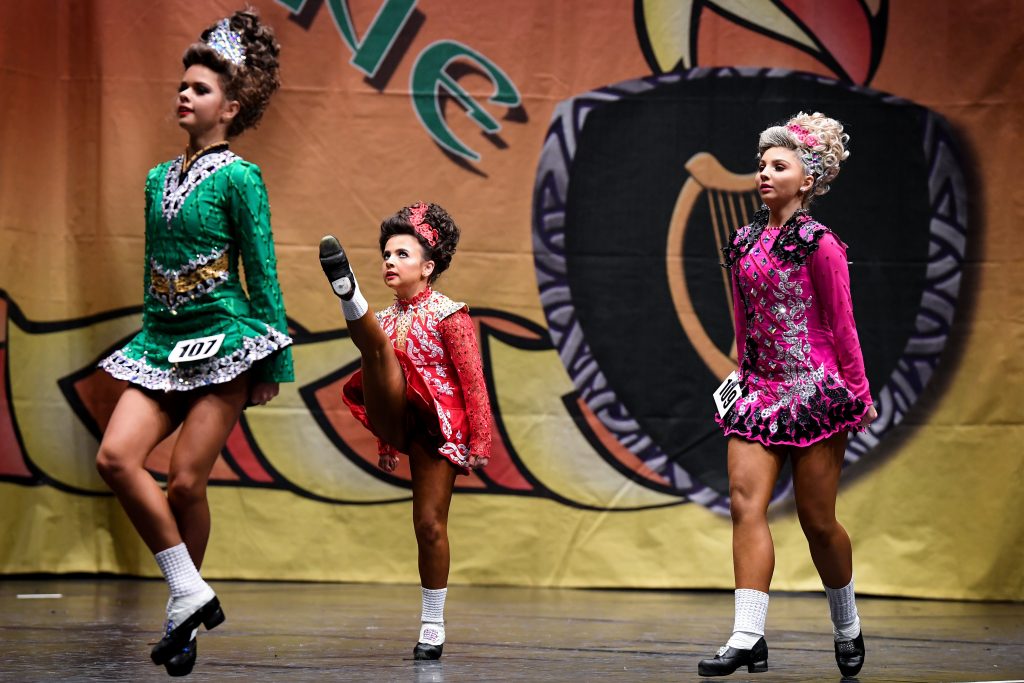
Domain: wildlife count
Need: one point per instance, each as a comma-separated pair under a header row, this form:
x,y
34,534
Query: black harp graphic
x,y
732,200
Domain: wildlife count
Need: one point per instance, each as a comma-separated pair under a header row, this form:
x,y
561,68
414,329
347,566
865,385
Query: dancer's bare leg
x,y
816,471
383,379
753,471
139,422
207,425
433,479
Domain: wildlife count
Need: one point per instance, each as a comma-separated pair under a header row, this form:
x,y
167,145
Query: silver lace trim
x,y
185,377
176,193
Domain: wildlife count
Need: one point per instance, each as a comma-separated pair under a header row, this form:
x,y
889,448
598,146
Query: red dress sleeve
x,y
831,277
459,337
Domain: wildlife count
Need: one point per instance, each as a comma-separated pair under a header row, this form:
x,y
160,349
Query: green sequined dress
x,y
198,227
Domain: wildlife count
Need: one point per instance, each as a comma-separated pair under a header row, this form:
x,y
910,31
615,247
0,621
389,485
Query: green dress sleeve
x,y
250,213
152,185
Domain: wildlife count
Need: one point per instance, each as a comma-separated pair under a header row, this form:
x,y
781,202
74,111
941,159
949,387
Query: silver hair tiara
x,y
227,43
813,163
808,141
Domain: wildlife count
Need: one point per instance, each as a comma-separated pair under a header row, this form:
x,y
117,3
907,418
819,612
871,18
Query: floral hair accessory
x,y
417,212
227,43
804,136
811,159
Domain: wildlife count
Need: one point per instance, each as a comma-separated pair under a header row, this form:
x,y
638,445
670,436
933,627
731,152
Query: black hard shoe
x,y
178,635
182,663
425,651
729,659
850,655
336,267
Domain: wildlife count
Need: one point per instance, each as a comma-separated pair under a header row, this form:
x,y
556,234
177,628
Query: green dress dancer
x,y
197,226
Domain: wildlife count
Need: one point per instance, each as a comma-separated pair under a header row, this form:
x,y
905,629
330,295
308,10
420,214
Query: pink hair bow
x,y
417,212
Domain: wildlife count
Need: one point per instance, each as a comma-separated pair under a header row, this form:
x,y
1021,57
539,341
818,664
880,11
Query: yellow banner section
x,y
385,102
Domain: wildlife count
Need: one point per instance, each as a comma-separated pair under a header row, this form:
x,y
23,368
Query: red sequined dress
x,y
435,341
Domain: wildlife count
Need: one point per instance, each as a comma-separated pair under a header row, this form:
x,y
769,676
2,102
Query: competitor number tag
x,y
188,350
728,393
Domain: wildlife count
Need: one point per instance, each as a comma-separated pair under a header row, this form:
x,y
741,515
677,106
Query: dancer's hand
x,y
478,461
388,462
262,392
868,418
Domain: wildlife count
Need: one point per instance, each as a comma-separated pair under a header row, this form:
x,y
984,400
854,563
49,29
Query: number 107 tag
x,y
728,393
188,350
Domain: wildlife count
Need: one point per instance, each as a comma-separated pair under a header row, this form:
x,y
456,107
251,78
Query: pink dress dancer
x,y
801,368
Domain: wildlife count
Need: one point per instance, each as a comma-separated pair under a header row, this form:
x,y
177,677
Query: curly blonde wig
x,y
819,142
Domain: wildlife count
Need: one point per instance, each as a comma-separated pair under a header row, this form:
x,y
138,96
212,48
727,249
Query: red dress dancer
x,y
421,388
435,341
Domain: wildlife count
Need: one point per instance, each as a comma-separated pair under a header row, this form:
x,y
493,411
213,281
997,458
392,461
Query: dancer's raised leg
x,y
383,379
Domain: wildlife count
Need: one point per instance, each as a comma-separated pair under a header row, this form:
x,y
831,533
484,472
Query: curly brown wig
x,y
437,218
251,83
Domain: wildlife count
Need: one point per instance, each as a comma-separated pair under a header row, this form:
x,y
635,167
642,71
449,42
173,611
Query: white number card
x,y
728,393
189,350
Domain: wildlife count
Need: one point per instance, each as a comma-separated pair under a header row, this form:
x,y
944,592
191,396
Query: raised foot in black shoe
x,y
182,663
209,615
850,655
427,651
336,267
729,659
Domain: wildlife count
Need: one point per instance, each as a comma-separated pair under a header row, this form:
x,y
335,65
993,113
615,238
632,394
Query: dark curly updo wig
x,y
434,222
250,83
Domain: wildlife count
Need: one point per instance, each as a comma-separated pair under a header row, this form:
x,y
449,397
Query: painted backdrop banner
x,y
595,155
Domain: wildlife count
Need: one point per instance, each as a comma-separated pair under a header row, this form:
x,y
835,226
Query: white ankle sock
x,y
432,615
433,604
354,307
751,612
179,570
842,605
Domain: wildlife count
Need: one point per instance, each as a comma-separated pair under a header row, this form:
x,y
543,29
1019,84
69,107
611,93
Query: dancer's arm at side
x,y
831,277
459,337
251,214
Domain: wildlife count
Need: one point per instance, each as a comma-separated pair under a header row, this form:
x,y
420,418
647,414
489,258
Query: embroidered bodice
x,y
439,337
792,304
801,369
201,226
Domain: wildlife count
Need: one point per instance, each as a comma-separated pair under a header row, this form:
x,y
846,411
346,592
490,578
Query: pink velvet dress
x,y
449,410
801,368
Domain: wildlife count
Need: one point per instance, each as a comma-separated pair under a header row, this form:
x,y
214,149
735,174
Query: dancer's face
x,y
780,177
201,106
405,269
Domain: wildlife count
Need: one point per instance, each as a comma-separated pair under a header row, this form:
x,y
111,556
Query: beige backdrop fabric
x,y
88,91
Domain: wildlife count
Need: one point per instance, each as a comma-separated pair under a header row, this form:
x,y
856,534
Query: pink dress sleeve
x,y
459,337
831,277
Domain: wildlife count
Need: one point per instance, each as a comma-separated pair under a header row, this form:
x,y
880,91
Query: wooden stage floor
x,y
101,630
